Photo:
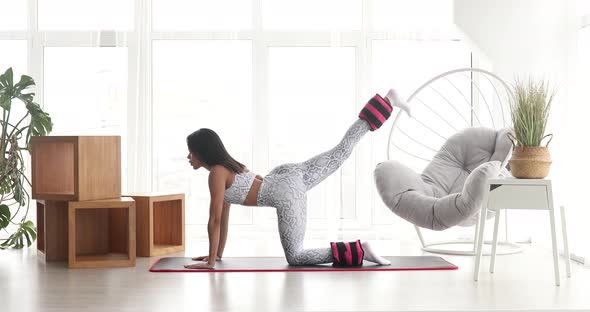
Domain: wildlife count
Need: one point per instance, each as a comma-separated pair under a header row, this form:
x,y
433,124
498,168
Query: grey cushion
x,y
450,190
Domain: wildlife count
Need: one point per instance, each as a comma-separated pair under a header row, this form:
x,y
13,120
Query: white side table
x,y
528,194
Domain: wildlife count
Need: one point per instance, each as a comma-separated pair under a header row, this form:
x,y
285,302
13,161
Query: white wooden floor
x,y
521,282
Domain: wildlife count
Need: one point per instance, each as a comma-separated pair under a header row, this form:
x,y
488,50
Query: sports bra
x,y
237,192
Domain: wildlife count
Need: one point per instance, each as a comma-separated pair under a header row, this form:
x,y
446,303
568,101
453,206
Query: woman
x,y
284,188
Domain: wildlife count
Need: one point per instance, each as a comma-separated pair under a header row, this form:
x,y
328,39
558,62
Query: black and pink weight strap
x,y
347,253
376,112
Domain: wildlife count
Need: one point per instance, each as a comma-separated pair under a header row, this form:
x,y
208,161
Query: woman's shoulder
x,y
220,173
221,170
217,170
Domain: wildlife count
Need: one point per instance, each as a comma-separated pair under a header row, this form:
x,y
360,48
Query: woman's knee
x,y
294,258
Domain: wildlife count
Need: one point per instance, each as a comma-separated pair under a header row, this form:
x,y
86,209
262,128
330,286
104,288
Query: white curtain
x,y
139,112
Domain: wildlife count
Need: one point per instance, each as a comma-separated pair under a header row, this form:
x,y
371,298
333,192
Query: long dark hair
x,y
207,146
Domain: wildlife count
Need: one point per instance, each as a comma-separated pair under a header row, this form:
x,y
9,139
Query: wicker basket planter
x,y
530,162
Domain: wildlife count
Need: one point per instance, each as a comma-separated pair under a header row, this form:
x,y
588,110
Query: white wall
x,y
538,38
521,36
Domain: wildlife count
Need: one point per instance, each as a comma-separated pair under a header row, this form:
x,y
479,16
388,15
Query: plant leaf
x,y
4,216
18,191
5,101
6,78
27,97
9,76
40,121
24,83
31,229
26,231
26,235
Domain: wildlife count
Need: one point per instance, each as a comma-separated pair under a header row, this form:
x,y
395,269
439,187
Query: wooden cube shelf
x,y
102,233
52,230
76,168
160,223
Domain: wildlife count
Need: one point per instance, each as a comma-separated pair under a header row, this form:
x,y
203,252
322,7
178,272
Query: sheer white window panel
x,y
313,15
171,15
311,105
13,15
200,84
405,66
76,15
86,93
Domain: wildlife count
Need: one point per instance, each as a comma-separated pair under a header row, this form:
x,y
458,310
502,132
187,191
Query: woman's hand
x,y
204,265
205,258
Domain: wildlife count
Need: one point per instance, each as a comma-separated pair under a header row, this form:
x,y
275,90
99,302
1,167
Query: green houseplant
x,y
530,111
16,131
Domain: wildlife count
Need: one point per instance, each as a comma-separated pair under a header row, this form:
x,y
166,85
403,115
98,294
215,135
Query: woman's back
x,y
237,192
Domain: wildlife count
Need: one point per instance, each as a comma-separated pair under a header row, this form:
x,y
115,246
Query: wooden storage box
x,y
160,223
101,233
52,230
76,168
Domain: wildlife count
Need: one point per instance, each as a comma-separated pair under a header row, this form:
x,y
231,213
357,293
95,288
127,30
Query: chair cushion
x,y
450,190
461,154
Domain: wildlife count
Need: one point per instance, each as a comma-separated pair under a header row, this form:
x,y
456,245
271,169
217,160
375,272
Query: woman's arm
x,y
224,227
217,190
217,178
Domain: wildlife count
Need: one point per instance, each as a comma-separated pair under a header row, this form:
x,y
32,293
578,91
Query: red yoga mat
x,y
279,264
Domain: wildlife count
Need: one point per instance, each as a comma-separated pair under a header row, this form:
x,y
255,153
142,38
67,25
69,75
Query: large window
x,y
279,81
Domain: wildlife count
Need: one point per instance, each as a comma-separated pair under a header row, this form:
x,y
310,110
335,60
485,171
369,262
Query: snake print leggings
x,y
285,189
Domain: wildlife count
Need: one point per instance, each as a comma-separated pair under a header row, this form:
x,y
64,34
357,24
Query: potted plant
x,y
16,132
529,111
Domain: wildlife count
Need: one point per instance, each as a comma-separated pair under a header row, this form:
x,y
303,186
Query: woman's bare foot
x,y
394,99
370,255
